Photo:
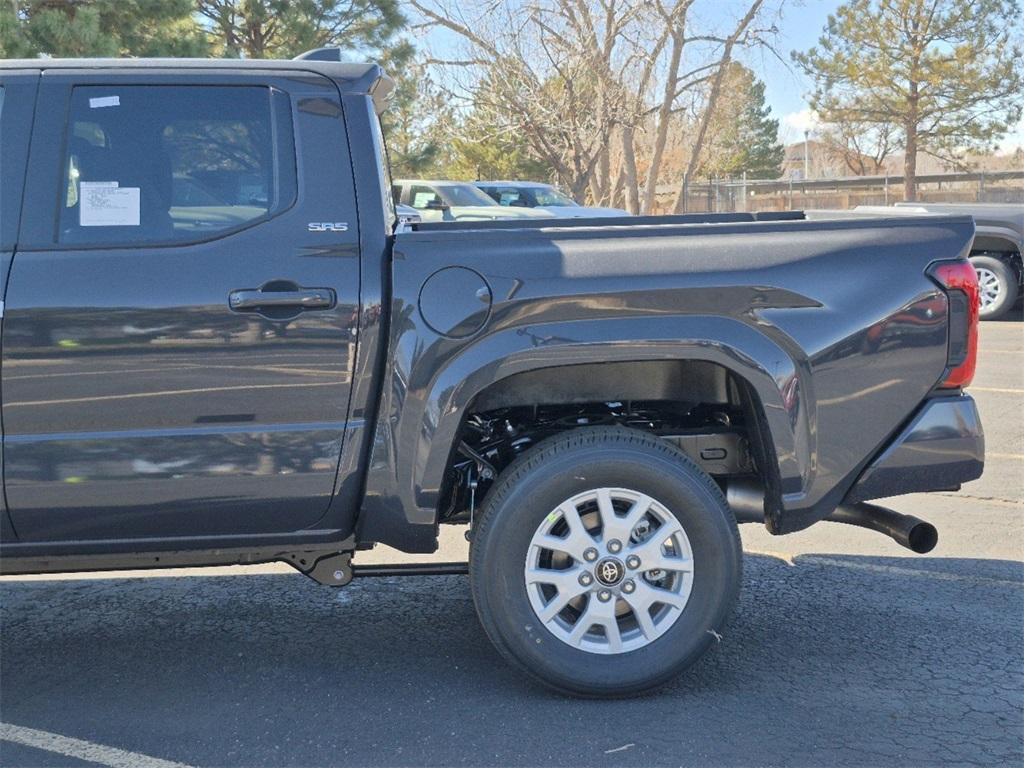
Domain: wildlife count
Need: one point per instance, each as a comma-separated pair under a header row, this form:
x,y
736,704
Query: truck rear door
x,y
183,309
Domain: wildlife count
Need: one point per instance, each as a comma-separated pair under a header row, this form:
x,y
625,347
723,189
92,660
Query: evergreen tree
x,y
281,29
946,73
418,121
761,153
744,138
83,28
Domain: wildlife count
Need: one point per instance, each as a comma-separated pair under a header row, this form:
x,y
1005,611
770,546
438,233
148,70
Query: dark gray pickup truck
x,y
996,253
217,349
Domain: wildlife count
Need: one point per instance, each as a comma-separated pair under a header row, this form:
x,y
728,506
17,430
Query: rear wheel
x,y
604,562
997,284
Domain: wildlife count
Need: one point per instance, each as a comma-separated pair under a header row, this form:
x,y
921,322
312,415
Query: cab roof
x,y
367,79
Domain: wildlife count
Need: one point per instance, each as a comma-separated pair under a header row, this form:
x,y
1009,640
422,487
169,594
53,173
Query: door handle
x,y
303,298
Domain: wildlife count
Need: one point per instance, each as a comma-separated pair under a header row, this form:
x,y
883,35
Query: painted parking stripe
x,y
998,390
795,560
997,455
896,570
80,749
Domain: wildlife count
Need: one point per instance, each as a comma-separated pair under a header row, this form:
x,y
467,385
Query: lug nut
x,y
604,595
628,587
590,554
614,546
586,579
633,562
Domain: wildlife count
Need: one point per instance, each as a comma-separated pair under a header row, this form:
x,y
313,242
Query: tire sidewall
x,y
502,594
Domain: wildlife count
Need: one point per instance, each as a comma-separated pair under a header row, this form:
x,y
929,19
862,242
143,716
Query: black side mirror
x,y
437,205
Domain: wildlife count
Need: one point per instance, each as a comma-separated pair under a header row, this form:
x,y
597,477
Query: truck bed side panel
x,y
833,323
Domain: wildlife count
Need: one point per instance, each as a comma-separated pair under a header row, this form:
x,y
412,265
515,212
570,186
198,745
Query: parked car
x,y
455,201
996,252
407,214
599,405
543,197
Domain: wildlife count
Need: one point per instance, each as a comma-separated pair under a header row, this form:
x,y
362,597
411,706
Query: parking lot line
x,y
80,749
998,455
999,390
896,570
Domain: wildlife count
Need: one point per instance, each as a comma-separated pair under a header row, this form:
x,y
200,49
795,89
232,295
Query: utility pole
x,y
807,157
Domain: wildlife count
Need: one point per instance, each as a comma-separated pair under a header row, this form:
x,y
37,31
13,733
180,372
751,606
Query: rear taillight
x,y
960,282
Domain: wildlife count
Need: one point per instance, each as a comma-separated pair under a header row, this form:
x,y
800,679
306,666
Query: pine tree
x,y
762,153
81,28
946,73
744,138
281,29
417,123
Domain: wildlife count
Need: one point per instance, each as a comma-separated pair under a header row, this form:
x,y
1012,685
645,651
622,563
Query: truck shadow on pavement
x,y
833,660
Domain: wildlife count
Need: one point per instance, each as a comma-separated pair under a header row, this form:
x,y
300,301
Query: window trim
x,y
278,101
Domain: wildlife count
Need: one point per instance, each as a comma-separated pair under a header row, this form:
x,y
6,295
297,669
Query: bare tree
x,y
863,147
599,89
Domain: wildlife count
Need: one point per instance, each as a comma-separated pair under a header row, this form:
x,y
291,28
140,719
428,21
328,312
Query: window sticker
x,y
105,101
105,204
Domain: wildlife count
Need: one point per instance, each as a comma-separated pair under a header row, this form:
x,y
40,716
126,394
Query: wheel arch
x,y
417,431
995,242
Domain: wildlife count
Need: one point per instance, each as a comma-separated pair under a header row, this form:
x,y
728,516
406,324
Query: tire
x,y
1003,286
627,655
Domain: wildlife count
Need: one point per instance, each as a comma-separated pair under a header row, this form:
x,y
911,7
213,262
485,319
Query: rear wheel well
x,y
999,248
703,408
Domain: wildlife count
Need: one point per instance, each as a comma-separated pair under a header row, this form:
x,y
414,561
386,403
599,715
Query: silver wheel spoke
x,y
555,606
566,580
583,624
640,603
652,555
988,284
620,528
576,541
605,616
652,595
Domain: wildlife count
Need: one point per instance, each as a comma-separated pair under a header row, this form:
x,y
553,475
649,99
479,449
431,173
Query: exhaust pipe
x,y
746,499
906,530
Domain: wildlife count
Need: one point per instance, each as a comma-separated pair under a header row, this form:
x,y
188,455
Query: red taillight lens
x,y
961,284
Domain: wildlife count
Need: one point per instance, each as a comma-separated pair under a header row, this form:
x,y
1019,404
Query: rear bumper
x,y
941,448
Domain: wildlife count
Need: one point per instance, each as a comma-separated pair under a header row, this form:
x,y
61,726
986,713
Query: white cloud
x,y
804,120
794,125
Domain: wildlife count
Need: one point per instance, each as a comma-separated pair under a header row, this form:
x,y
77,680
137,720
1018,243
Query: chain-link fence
x,y
730,195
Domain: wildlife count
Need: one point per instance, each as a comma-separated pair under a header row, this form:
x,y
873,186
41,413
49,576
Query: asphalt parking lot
x,y
845,650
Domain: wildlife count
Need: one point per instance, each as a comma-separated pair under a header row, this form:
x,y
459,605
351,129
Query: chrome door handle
x,y
304,298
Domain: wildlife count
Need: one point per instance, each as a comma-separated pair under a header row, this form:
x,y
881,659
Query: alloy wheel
x,y
609,571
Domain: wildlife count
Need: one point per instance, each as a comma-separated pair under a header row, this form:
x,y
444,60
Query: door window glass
x,y
551,196
423,198
152,164
512,197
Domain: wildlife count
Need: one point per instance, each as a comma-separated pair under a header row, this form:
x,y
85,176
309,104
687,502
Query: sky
x,y
800,26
